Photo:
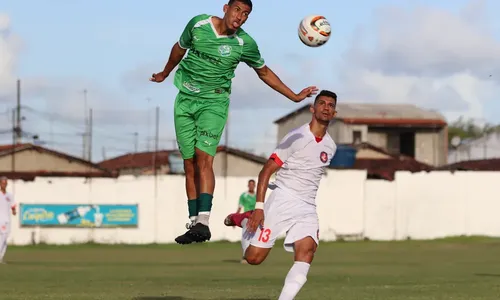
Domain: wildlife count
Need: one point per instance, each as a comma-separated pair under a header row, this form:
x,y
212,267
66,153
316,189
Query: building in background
x,y
227,162
378,163
139,163
28,161
399,129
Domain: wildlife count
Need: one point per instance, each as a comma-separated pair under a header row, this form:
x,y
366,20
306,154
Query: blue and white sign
x,y
79,215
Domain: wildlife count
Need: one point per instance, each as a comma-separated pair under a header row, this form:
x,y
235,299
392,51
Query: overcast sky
x,y
442,55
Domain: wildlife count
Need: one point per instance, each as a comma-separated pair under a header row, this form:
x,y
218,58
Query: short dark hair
x,y
251,180
247,2
328,94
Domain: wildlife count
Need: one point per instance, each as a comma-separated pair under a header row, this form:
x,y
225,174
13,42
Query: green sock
x,y
198,205
205,203
193,208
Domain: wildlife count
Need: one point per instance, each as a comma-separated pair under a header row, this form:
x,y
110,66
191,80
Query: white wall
x,y
486,147
417,206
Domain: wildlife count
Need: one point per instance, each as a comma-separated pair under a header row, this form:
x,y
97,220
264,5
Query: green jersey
x,y
247,201
208,68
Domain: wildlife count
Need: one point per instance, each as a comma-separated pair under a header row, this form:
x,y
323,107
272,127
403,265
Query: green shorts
x,y
199,123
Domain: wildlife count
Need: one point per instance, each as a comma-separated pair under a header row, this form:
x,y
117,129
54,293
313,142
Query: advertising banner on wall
x,y
79,215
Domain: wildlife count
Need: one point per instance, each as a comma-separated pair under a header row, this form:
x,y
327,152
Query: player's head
x,y
236,13
251,185
3,182
324,107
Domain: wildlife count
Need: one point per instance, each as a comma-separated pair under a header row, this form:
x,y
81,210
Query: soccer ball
x,y
314,30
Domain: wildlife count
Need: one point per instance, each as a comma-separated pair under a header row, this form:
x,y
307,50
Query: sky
x,y
441,55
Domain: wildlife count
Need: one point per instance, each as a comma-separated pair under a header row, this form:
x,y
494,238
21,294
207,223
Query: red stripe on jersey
x,y
318,139
275,157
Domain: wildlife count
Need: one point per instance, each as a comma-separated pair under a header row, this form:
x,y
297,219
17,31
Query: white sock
x,y
245,238
296,278
203,217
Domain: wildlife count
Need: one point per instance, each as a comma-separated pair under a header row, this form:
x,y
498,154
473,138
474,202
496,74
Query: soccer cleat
x,y
199,233
236,219
183,239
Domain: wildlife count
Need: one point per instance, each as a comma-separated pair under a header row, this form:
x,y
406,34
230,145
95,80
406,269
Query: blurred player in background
x,y
216,47
247,203
299,160
247,199
7,206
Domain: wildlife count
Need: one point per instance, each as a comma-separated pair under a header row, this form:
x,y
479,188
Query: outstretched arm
x,y
178,50
272,80
176,55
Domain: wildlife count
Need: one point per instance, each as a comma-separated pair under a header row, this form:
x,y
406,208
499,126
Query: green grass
x,y
459,268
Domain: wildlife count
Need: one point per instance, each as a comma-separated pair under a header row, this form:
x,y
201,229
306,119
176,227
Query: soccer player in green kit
x,y
216,47
246,203
247,199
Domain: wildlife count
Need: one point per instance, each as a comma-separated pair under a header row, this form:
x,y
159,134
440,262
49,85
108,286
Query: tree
x,y
468,129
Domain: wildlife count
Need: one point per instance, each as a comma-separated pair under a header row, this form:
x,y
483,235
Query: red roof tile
x,y
145,159
101,172
474,165
136,160
387,168
30,176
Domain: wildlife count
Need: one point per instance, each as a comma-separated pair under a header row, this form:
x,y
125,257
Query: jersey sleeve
x,y
185,41
251,54
240,202
290,144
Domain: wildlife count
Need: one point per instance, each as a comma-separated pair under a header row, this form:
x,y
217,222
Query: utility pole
x,y
136,141
157,137
18,109
103,153
155,155
84,148
85,124
226,163
89,153
227,145
14,142
148,129
155,171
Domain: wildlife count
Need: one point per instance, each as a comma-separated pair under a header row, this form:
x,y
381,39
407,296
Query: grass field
x,y
460,268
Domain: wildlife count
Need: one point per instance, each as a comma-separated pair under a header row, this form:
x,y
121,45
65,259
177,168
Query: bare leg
x,y
191,188
252,254
204,164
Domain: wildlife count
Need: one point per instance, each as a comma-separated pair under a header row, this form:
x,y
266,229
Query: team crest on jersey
x,y
225,50
323,157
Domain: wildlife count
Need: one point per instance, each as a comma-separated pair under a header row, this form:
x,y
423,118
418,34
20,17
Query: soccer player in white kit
x,y
7,205
299,160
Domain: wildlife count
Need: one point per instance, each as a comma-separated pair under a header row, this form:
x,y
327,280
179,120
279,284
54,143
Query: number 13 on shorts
x,y
265,234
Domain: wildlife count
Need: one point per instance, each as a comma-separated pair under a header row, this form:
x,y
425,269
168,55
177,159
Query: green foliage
x,y
466,129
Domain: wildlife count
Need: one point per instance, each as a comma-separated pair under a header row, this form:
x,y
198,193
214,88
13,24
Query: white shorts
x,y
284,214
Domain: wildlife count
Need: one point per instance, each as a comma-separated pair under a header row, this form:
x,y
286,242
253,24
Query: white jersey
x,y
303,159
6,203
